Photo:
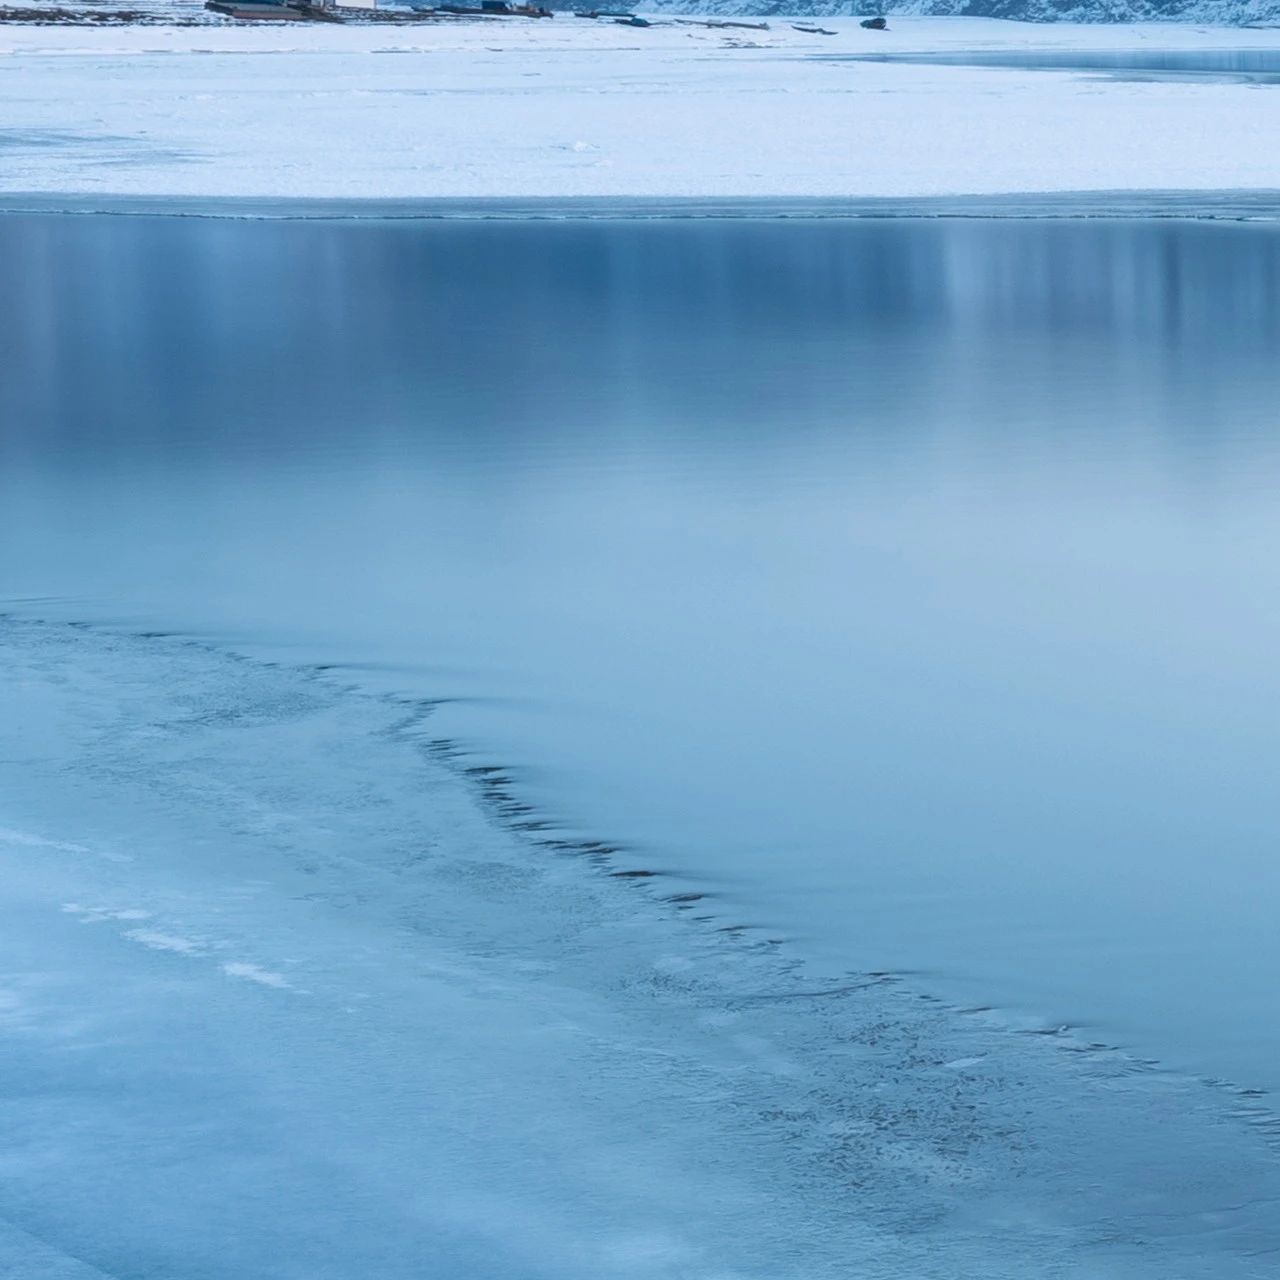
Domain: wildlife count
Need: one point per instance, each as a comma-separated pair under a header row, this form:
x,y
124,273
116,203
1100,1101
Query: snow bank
x,y
571,108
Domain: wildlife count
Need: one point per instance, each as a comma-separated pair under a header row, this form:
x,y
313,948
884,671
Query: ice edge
x,y
1222,206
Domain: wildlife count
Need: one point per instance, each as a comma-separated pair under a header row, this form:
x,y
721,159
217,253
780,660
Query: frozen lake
x,y
907,589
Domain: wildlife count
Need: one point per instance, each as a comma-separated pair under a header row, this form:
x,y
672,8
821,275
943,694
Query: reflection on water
x,y
912,584
1175,64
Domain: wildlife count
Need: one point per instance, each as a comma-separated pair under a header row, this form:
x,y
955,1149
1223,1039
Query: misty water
x,y
908,589
1260,65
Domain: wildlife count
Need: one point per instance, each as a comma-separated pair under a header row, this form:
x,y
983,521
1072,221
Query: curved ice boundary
x,y
283,997
1233,206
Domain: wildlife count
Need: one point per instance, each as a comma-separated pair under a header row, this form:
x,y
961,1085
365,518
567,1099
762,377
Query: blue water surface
x,y
910,588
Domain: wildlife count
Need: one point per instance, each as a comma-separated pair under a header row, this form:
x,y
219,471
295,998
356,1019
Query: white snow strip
x,y
252,973
961,1064
26,840
572,108
165,942
94,915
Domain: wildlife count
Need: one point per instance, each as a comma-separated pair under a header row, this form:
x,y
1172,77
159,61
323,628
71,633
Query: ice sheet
x,y
281,997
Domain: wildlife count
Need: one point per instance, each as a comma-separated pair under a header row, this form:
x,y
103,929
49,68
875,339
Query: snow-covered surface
x,y
280,999
570,108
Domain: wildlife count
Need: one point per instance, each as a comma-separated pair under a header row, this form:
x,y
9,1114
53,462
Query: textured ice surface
x,y
281,996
